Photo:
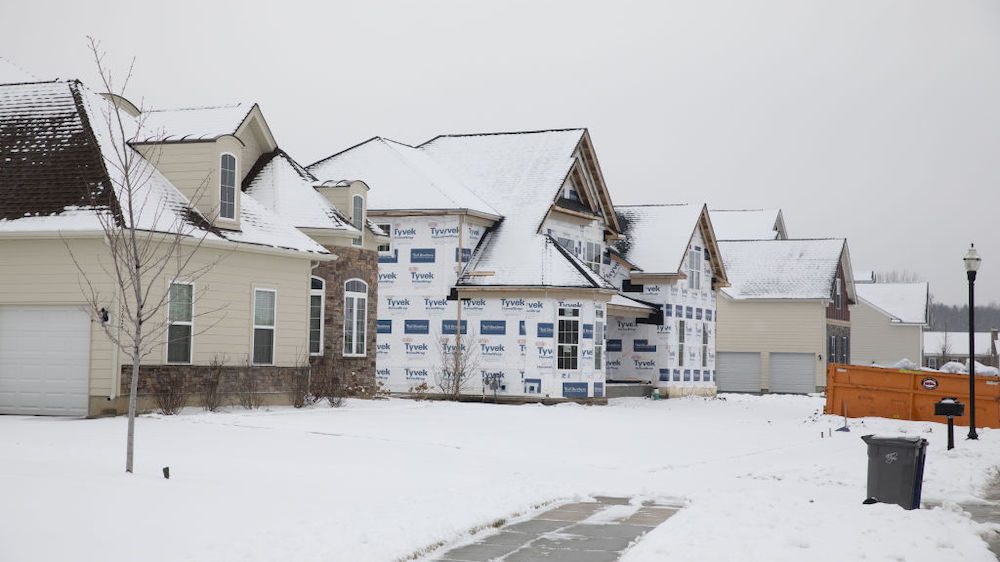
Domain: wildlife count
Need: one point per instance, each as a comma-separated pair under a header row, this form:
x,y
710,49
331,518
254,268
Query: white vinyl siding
x,y
876,339
355,318
180,322
264,305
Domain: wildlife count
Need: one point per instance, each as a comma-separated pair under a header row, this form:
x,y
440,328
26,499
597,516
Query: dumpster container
x,y
895,470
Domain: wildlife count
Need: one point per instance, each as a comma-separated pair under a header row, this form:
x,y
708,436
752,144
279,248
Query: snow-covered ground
x,y
380,480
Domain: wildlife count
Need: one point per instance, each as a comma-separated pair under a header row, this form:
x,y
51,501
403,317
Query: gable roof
x,y
784,269
657,236
537,261
194,123
905,303
60,174
402,177
748,224
286,189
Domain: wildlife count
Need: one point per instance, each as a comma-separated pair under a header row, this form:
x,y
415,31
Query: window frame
x,y
189,323
680,342
592,253
844,342
704,344
236,169
321,293
386,248
599,336
255,326
563,315
354,321
837,293
694,270
358,223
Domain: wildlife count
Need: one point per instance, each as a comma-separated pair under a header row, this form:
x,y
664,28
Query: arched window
x,y
358,216
355,317
317,306
227,186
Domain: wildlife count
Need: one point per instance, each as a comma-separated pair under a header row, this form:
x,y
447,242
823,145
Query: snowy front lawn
x,y
381,480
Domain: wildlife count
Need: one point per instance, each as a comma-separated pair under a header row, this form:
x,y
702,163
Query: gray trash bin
x,y
895,470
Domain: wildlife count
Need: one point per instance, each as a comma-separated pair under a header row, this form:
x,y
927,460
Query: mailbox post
x,y
950,407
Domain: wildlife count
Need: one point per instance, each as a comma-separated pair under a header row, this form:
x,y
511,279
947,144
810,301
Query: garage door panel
x,y
792,373
737,371
44,360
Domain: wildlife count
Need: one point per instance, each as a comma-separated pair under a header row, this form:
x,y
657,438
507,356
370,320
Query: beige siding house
x,y
244,300
785,315
887,324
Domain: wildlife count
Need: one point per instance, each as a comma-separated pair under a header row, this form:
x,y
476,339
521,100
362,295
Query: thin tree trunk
x,y
133,390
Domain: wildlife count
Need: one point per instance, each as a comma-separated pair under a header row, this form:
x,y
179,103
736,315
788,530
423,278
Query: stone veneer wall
x,y
270,380
354,372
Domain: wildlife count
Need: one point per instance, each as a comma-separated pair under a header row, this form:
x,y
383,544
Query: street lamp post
x,y
972,261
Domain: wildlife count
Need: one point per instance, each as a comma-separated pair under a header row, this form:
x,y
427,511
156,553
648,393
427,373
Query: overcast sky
x,y
878,121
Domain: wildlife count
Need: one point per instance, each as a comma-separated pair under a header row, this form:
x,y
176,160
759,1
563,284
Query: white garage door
x,y
793,373
44,360
737,372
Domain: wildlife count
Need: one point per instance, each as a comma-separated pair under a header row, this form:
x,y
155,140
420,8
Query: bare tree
x,y
458,364
149,239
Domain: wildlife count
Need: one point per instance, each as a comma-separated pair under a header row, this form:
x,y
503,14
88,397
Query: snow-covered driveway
x,y
381,480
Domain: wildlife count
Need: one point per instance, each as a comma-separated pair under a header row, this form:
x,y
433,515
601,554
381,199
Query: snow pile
x,y
956,367
383,480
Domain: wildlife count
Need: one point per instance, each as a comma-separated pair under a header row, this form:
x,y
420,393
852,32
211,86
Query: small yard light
x,y
972,261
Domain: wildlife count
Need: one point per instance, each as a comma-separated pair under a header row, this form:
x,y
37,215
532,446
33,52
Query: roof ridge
x,y
199,108
831,239
656,205
497,133
352,147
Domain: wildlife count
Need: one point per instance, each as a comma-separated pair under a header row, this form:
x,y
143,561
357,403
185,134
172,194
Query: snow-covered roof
x,y
286,189
904,302
537,261
621,301
782,269
956,342
402,177
748,224
60,174
657,236
194,123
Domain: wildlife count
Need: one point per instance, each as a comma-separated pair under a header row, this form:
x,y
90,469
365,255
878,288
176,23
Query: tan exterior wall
x,y
875,339
772,326
40,272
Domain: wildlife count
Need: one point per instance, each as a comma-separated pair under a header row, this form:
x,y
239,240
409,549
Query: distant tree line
x,y
952,318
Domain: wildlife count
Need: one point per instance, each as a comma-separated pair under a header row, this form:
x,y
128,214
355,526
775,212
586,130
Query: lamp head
x,y
972,259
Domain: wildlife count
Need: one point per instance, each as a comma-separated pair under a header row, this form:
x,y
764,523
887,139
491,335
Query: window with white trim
x,y
358,216
680,343
598,339
837,289
694,270
569,339
264,301
227,186
592,256
704,345
317,306
844,342
831,353
386,247
180,322
355,317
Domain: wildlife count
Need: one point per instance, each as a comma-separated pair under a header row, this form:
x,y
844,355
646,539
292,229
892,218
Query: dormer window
x,y
227,186
358,216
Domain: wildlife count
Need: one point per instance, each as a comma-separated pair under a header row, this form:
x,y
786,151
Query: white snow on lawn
x,y
379,480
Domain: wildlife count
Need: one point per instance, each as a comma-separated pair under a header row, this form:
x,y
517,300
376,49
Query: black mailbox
x,y
949,407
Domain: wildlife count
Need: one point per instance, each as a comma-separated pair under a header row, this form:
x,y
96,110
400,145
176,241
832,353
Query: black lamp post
x,y
972,261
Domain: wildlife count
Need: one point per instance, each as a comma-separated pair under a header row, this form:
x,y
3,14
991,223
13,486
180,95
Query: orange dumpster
x,y
907,395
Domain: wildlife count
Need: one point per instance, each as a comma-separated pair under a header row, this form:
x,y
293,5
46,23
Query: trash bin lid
x,y
904,441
